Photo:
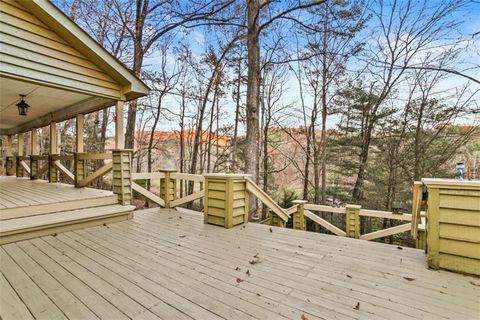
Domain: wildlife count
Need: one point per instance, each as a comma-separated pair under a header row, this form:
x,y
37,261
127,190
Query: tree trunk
x,y
253,87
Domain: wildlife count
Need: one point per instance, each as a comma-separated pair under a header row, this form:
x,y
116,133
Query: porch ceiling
x,y
46,104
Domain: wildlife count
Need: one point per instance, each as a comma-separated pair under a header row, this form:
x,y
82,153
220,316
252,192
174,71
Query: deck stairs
x,y
38,219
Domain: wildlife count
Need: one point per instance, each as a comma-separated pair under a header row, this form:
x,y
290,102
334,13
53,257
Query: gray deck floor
x,y
169,265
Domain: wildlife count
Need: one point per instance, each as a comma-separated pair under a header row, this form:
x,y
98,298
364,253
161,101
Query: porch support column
x,y
119,135
52,170
33,153
20,146
10,159
79,164
79,132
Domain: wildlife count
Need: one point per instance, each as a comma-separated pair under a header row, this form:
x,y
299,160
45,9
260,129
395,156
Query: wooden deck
x,y
169,265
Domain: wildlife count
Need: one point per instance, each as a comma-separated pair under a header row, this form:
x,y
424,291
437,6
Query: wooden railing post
x,y
352,220
10,163
277,221
299,221
19,168
33,167
168,187
52,170
226,199
79,170
122,175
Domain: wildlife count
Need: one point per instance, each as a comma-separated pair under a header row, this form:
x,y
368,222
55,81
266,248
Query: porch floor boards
x,y
167,264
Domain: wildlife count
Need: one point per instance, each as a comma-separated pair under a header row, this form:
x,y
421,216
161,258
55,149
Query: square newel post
x,y
33,166
52,170
299,221
352,221
10,164
121,175
19,168
78,168
168,187
226,199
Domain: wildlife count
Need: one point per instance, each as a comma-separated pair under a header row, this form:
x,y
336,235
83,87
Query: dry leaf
x,y
474,284
253,261
399,248
349,276
237,268
408,279
256,255
182,236
357,307
300,246
271,230
303,317
239,280
248,272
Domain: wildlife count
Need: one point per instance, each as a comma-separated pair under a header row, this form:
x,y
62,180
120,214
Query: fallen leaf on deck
x,y
303,317
239,280
248,272
271,230
349,276
182,236
300,246
399,248
409,279
474,284
179,217
258,294
54,234
357,307
253,261
237,268
256,255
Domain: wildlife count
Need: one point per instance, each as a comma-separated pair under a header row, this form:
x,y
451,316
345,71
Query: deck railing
x,y
170,194
173,194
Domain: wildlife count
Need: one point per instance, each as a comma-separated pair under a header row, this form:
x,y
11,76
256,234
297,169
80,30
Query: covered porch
x,y
52,71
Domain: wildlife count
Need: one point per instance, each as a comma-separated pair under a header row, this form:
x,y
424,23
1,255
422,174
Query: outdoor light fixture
x,y
22,106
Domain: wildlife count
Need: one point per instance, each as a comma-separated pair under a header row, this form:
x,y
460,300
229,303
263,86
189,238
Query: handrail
x,y
363,212
147,175
94,156
266,200
188,177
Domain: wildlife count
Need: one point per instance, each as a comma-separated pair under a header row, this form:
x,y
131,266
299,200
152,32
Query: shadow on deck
x,y
169,264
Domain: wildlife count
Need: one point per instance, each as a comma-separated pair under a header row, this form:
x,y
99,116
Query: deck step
x,y
65,205
47,224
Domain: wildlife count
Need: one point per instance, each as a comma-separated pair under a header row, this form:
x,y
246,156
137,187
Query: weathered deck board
x,y
166,264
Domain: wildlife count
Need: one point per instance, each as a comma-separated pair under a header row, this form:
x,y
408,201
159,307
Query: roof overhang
x,y
52,100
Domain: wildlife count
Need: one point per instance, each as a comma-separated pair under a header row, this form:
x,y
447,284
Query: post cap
x,y
299,201
353,206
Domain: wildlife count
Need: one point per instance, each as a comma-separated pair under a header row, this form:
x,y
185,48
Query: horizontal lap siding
x,y
29,49
459,230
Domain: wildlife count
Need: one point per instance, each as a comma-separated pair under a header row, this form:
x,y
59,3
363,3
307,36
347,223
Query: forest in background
x,y
345,99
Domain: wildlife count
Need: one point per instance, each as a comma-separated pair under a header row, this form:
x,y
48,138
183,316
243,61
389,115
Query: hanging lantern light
x,y
22,106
